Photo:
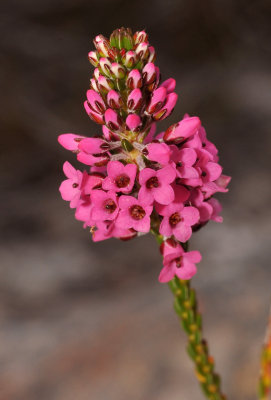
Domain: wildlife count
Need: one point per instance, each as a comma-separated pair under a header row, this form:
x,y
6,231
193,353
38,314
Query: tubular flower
x,y
137,179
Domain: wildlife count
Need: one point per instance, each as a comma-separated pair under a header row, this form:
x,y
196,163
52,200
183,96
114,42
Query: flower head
x,y
136,179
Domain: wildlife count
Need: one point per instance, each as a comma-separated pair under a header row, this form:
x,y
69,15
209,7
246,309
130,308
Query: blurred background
x,y
90,321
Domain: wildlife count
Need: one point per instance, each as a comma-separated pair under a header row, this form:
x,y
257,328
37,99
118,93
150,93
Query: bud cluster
x,y
140,181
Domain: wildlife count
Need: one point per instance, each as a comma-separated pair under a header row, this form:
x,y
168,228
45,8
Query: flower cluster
x,y
139,181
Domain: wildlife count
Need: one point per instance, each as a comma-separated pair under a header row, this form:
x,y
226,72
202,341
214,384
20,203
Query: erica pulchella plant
x,y
137,180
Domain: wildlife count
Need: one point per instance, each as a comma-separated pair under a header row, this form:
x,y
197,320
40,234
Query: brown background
x,y
90,321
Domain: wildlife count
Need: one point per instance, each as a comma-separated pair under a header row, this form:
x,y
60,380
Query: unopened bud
x,y
154,85
133,122
105,84
134,79
109,135
148,73
152,54
114,99
112,120
96,73
122,39
167,108
129,59
93,85
96,102
134,100
96,117
93,58
105,66
169,84
142,50
182,130
140,37
157,100
118,71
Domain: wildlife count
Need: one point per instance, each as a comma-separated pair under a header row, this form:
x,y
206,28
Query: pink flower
x,y
134,214
185,159
178,220
108,229
105,205
179,263
120,177
70,189
205,209
159,152
155,185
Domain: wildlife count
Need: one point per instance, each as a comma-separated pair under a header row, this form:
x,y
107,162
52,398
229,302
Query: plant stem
x,y
265,372
186,308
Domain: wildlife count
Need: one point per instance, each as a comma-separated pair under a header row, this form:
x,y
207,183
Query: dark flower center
x,y
175,219
122,181
152,182
203,173
110,206
75,185
137,212
178,261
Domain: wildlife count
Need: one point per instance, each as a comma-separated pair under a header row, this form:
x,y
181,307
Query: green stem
x,y
186,308
264,387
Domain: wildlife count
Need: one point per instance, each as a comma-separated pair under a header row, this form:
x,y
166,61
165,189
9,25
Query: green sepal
x,y
126,145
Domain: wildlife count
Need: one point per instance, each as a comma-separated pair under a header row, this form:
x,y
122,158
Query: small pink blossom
x,y
179,263
108,229
184,129
155,185
105,205
178,220
134,214
70,189
217,208
120,178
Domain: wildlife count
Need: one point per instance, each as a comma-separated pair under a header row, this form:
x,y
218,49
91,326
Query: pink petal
x,y
115,168
70,141
167,273
165,228
145,195
146,174
166,174
91,145
127,201
182,130
193,256
164,195
182,232
69,170
187,271
169,85
159,152
190,215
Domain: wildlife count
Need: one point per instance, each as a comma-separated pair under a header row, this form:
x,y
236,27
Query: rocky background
x,y
90,321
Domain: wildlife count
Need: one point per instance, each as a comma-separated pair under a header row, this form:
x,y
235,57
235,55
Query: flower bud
x,y
93,85
96,102
182,130
97,160
169,84
114,99
134,79
93,145
105,66
148,74
122,39
133,122
96,117
129,59
154,85
102,47
157,100
142,51
109,135
134,100
118,71
167,108
152,54
96,73
112,120
140,37
105,84
93,58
